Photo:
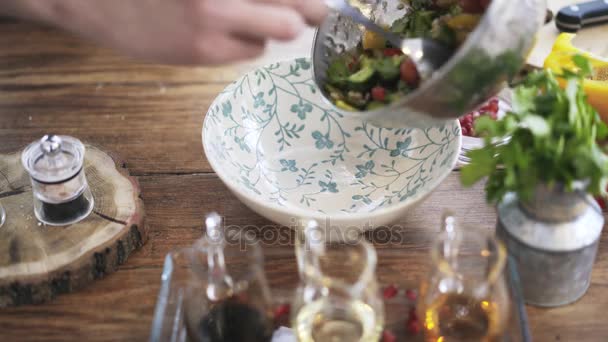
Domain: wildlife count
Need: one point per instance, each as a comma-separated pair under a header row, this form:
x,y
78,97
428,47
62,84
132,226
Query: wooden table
x,y
152,116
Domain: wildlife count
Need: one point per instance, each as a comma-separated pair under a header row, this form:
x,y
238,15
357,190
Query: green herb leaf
x,y
536,124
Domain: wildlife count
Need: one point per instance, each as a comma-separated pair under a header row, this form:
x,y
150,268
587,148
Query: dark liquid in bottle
x,y
232,321
65,212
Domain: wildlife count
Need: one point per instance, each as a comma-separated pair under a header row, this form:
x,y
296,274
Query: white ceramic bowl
x,y
287,155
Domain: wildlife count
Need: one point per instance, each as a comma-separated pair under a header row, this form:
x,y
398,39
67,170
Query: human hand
x,y
179,31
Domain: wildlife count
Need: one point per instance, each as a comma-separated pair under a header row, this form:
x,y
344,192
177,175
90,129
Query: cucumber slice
x,y
389,68
338,72
362,79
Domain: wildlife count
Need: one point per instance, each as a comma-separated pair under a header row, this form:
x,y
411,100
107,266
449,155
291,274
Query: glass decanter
x,y
465,295
338,297
227,297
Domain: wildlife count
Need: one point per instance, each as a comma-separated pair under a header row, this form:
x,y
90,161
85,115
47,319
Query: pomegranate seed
x,y
601,202
390,292
413,327
490,106
388,336
378,93
282,310
411,295
465,131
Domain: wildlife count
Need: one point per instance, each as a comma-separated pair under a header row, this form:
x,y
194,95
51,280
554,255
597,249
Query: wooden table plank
x,y
156,128
120,307
151,114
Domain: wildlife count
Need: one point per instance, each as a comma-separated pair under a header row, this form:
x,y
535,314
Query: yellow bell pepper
x,y
465,21
371,40
596,88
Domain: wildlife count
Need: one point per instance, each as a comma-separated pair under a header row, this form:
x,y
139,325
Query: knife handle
x,y
575,17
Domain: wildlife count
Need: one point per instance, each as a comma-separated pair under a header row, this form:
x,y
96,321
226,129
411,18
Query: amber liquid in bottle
x,y
456,317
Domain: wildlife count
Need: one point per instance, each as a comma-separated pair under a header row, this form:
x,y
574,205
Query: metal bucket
x,y
553,238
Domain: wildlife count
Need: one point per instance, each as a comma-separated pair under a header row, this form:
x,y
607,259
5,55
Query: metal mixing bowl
x,y
494,52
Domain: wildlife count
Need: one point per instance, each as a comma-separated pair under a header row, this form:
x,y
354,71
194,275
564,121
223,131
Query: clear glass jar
x,y
338,297
465,295
61,193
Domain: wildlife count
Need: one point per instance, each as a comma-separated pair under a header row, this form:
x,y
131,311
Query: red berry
x,y
378,94
389,52
411,295
465,131
388,336
282,310
390,292
409,73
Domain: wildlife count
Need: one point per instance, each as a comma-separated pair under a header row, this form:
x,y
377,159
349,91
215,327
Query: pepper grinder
x,y
61,193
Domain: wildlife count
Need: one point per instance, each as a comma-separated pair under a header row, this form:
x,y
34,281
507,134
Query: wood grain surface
x,y
152,116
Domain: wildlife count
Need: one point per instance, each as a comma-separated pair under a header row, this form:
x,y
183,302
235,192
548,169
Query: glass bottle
x,y
338,297
61,193
465,295
227,298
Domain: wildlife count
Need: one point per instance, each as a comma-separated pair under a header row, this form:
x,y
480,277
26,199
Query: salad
x,y
376,73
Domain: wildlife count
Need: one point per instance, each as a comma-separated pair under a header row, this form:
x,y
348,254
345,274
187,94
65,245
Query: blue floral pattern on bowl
x,y
271,137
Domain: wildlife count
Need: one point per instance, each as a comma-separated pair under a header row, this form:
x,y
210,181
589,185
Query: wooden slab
x,y
38,261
